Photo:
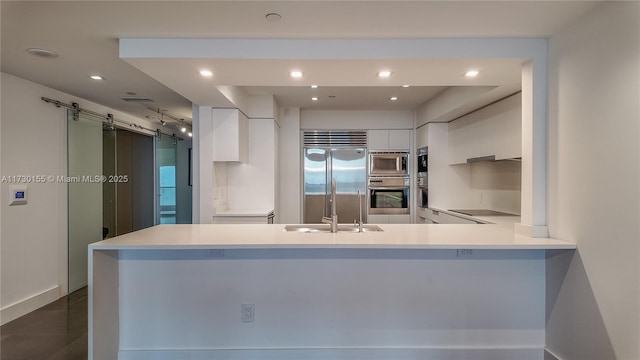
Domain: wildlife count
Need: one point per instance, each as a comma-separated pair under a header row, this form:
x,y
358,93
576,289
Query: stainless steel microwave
x,y
385,163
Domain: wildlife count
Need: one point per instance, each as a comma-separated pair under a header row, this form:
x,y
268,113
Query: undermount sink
x,y
316,228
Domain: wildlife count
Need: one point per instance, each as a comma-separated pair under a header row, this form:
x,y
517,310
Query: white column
x,y
534,149
202,165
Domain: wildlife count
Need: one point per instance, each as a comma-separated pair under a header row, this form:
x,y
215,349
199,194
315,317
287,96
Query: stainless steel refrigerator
x,y
348,165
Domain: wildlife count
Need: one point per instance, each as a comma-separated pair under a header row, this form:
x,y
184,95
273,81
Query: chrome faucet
x,y
333,220
360,211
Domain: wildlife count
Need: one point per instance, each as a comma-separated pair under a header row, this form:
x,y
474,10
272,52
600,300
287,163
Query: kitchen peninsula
x,y
409,291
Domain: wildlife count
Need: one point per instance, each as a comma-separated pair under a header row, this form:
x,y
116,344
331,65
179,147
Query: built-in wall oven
x,y
386,163
388,195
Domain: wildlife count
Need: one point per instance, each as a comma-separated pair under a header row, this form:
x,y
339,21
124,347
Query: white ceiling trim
x,y
524,48
173,61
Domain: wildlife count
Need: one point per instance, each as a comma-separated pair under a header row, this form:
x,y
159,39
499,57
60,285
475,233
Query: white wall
x,y
251,185
34,236
448,104
496,185
593,305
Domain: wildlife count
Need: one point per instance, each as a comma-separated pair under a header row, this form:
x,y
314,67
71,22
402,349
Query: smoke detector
x,y
273,16
44,53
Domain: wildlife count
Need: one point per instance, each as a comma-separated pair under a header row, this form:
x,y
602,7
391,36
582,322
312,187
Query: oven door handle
x,y
388,188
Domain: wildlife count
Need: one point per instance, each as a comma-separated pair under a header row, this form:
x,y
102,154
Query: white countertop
x,y
265,236
243,212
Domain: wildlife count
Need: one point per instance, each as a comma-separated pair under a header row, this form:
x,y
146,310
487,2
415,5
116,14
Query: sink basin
x,y
326,228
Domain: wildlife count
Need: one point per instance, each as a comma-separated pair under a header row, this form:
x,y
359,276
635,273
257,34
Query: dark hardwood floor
x,y
57,331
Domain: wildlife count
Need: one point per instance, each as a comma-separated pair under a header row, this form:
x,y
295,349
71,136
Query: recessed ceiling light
x,y
314,86
384,74
42,53
296,74
190,134
315,98
393,98
405,86
96,77
183,129
472,73
206,73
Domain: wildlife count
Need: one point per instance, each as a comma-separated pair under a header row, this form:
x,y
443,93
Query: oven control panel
x,y
389,181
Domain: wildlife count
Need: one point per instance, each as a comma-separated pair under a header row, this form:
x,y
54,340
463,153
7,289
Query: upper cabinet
x,y
389,140
230,135
422,136
378,139
493,131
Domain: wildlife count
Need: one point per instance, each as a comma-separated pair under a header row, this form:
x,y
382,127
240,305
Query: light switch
x,y
17,194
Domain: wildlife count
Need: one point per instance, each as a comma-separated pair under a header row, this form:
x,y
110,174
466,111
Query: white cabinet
x,y
389,140
399,139
378,139
453,219
422,220
253,184
492,131
377,219
399,219
230,135
432,216
389,219
244,217
422,136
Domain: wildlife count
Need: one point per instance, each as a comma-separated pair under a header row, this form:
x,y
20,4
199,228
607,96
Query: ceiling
x,y
85,35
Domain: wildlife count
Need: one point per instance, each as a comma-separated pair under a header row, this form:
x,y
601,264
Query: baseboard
x,y
534,231
548,355
343,353
23,307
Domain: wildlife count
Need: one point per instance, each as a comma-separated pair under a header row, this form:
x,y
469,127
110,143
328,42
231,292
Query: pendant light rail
x,y
107,119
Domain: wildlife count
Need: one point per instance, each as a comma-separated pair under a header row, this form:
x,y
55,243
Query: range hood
x,y
491,158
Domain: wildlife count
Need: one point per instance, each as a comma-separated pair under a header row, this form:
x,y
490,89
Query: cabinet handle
x,y
435,212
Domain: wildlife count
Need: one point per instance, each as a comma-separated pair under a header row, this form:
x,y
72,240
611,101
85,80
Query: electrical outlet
x,y
216,253
248,312
464,252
